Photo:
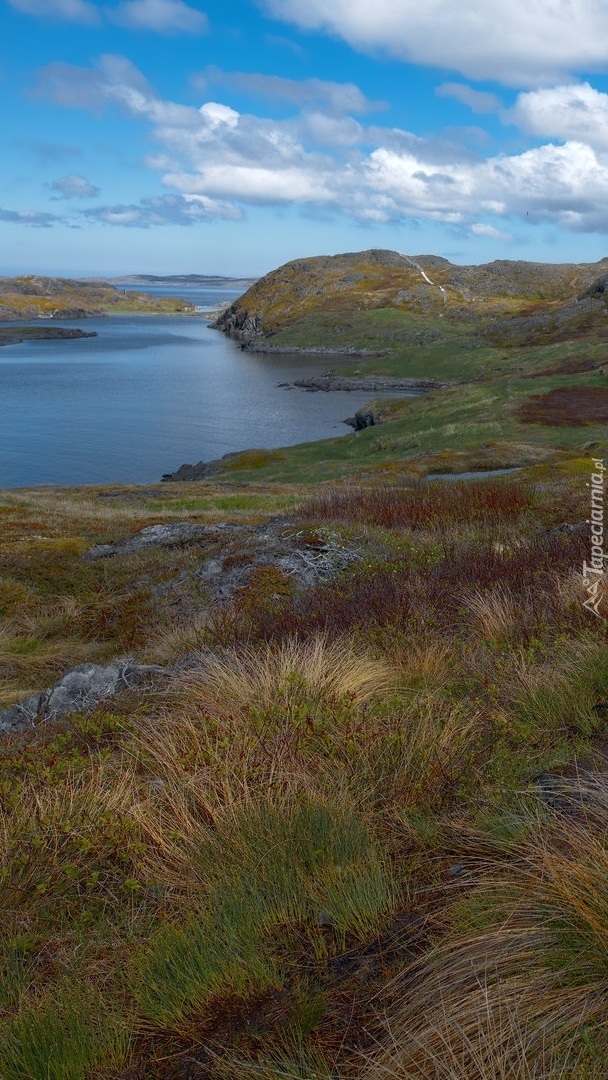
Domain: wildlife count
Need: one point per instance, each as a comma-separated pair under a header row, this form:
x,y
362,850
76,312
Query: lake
x,y
148,394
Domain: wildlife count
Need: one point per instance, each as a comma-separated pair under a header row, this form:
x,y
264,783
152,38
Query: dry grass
x,y
518,987
494,612
299,834
246,678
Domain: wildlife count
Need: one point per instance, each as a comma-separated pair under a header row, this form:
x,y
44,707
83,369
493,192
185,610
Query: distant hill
x,y
421,284
37,297
179,279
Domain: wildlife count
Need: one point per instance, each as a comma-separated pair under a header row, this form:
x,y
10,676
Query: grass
x,y
248,863
360,832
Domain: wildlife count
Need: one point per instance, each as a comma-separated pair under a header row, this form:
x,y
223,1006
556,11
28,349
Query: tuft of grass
x,y
69,1038
518,986
266,868
281,674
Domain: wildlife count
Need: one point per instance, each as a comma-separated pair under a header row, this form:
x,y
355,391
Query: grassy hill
x,y
33,297
376,279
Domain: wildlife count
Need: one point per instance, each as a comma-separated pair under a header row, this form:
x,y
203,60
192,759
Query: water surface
x,y
148,394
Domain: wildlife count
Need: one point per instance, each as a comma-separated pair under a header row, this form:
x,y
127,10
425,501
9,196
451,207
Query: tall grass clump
x,y
285,674
266,868
71,1037
518,986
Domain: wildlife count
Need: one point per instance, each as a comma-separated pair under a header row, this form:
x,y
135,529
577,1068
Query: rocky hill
x,y
422,284
33,297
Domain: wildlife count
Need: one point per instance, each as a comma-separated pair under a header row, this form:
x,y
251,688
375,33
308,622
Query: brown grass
x,y
518,988
568,406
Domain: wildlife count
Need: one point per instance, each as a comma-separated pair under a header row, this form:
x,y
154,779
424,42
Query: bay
x,y
148,394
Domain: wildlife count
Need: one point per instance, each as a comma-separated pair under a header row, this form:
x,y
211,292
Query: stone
x,y
279,544
170,535
364,418
79,690
566,529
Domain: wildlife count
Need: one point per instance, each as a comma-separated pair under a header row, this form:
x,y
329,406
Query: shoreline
x,y
366,383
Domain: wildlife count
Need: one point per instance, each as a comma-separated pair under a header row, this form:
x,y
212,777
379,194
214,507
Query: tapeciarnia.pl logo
x,y
594,571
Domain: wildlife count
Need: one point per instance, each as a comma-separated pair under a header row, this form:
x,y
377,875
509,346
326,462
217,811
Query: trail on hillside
x,y
417,267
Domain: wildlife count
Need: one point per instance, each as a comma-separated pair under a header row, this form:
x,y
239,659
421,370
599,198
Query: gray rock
x,y
78,691
364,418
200,471
278,544
175,533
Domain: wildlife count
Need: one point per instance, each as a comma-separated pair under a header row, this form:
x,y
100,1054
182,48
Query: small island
x,y
14,335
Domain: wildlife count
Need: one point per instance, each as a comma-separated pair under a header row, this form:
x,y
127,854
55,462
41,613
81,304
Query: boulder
x,y
364,418
79,690
170,535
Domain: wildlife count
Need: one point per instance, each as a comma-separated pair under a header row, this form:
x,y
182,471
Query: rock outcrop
x,y
174,534
364,418
80,690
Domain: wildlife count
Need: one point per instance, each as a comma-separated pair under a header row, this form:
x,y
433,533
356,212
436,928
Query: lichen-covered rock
x,y
170,535
78,690
303,559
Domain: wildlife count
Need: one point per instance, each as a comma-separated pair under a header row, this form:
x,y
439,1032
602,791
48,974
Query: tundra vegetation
x,y
360,831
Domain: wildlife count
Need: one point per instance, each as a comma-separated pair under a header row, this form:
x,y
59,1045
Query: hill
x,y
177,280
36,297
423,285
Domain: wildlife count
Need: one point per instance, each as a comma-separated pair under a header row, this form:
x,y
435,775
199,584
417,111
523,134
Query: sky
x,y
230,136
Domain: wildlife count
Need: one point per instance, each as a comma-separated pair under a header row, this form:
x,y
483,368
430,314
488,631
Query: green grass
x,y
65,1039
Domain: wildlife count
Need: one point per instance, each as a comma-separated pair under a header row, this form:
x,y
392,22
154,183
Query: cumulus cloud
x,y
164,210
79,11
212,160
338,97
478,101
74,186
29,217
162,16
518,43
480,228
576,111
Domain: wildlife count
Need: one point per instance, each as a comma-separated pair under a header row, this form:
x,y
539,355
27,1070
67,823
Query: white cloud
x,y
213,160
161,16
164,210
479,101
217,114
576,111
253,183
516,42
74,186
480,228
35,218
79,11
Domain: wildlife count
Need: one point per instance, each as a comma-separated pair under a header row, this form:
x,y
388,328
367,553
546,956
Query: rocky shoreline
x,y
309,350
374,384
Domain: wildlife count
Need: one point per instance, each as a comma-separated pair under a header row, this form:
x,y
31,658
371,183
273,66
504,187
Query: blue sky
x,y
170,136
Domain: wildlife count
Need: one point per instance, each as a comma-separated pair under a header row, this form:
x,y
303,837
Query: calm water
x,y
147,395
